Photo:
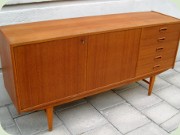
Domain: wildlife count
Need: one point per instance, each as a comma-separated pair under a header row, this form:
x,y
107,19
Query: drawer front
x,y
154,66
146,63
156,52
158,48
168,63
159,39
149,32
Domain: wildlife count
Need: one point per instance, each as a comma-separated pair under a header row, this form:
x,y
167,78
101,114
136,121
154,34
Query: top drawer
x,y
149,32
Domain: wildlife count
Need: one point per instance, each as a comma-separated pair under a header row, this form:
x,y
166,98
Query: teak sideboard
x,y
54,62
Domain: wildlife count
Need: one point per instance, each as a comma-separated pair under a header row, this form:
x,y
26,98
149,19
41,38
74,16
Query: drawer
x,y
166,46
156,58
155,66
164,56
168,63
161,29
160,39
148,53
150,59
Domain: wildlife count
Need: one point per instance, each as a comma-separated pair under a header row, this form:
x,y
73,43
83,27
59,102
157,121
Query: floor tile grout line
x,y
20,114
105,118
145,114
127,88
71,106
176,70
5,105
58,111
136,107
116,104
96,128
133,108
114,90
166,101
163,88
160,98
96,109
168,120
157,105
157,89
18,127
170,82
147,124
139,127
14,121
164,121
63,123
160,127
35,133
152,106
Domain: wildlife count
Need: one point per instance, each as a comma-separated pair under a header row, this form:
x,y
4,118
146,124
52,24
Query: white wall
x,y
70,9
10,2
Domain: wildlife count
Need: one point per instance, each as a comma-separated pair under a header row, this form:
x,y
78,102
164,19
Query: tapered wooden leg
x,y
151,84
49,113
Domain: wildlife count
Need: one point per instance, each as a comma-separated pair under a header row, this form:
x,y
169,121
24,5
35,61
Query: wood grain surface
x,y
22,34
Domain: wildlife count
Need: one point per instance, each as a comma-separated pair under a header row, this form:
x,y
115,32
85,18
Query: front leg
x,y
49,113
151,85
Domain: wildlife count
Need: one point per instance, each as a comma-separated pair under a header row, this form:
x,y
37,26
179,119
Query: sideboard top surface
x,y
22,34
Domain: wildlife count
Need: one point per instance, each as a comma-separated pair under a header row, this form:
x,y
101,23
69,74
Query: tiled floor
x,y
122,111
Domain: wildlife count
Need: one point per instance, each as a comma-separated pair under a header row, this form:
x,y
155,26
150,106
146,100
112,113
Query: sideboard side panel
x,y
7,68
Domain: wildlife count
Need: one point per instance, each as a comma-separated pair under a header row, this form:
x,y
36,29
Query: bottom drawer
x,y
168,63
155,66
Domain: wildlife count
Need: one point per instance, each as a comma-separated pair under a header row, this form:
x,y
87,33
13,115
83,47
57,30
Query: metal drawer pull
x,y
161,39
158,57
163,29
159,49
157,66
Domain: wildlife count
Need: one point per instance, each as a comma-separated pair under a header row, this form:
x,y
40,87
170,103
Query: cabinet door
x,y
112,57
51,71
